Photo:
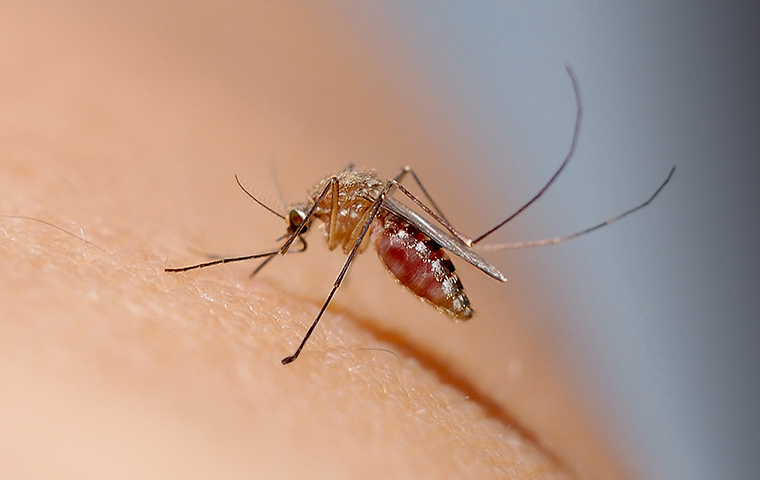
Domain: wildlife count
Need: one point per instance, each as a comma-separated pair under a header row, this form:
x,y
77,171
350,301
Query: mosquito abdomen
x,y
421,265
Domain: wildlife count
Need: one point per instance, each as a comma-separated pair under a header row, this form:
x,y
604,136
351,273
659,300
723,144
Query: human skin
x,y
117,156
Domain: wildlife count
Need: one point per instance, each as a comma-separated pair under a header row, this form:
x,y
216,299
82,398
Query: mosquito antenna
x,y
257,200
563,238
570,153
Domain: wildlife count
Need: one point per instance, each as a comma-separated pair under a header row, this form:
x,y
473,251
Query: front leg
x,y
332,229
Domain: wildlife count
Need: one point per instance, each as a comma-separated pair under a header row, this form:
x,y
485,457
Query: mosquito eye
x,y
295,219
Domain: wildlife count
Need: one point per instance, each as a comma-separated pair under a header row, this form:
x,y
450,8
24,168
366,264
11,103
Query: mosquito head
x,y
296,216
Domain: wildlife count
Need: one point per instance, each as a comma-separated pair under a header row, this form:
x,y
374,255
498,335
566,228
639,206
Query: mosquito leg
x,y
563,238
223,260
261,266
304,245
409,169
307,219
442,220
570,153
467,241
265,262
332,229
375,209
281,251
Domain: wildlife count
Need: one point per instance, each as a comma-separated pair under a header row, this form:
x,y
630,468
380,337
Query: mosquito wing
x,y
445,240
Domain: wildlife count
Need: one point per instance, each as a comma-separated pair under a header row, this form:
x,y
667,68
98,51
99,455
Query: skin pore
x,y
124,129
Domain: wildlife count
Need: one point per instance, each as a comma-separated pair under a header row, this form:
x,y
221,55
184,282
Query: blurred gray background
x,y
664,83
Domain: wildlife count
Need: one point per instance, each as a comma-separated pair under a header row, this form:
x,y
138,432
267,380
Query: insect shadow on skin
x,y
357,209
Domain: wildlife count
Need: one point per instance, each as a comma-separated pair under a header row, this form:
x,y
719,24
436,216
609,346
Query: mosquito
x,y
357,209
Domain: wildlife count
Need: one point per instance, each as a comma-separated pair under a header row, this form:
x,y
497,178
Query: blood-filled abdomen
x,y
420,264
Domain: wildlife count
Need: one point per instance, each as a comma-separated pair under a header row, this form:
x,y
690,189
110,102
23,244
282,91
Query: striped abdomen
x,y
420,264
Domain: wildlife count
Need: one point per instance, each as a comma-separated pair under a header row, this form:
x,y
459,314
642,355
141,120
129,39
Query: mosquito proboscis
x,y
357,209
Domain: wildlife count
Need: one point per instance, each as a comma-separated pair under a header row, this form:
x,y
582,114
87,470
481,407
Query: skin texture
x,y
124,128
